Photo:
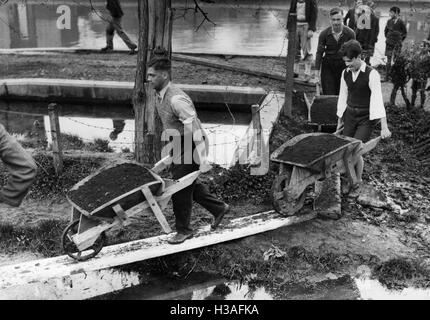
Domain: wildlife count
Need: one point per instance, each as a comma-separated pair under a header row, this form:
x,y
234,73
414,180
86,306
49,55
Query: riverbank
x,y
394,245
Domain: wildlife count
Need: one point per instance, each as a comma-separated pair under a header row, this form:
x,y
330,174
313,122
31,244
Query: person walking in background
x,y
114,24
307,14
328,58
21,168
395,33
360,105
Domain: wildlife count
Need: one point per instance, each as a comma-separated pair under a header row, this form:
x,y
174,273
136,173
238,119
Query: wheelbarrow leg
x,y
156,210
349,164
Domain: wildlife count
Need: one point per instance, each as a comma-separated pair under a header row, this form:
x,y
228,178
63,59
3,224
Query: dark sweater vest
x,y
359,91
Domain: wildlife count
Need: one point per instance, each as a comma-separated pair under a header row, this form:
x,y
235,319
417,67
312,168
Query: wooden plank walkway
x,y
34,272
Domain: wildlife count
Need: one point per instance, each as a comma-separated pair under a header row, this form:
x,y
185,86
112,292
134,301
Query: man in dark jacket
x,y
367,30
395,33
307,14
114,8
328,58
351,16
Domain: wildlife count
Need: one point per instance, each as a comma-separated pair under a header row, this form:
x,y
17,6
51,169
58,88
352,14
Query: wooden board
x,y
63,266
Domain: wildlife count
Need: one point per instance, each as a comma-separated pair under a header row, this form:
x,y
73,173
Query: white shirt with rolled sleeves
x,y
183,108
376,108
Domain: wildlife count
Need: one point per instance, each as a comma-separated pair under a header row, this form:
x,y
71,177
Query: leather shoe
x,y
218,219
106,49
179,238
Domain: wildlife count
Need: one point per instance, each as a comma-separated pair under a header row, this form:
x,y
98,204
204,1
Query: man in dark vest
x,y
189,149
327,58
360,105
114,24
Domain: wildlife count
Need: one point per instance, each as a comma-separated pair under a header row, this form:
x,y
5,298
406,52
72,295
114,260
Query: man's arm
x,y
377,109
343,98
320,49
404,30
375,29
183,109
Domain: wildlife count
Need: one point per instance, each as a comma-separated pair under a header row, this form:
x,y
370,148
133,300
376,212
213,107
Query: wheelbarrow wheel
x,y
72,250
281,201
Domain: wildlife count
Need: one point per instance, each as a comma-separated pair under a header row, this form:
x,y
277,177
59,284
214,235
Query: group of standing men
x,y
360,23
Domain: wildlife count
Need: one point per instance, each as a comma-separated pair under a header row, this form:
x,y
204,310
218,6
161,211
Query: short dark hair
x,y
350,49
336,10
395,10
160,64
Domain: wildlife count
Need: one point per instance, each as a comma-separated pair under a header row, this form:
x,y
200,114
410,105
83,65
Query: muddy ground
x,y
393,244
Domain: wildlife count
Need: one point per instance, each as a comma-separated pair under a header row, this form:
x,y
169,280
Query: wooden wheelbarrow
x,y
321,110
85,236
288,190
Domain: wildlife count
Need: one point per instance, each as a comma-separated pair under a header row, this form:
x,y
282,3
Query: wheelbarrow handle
x,y
368,146
317,89
162,164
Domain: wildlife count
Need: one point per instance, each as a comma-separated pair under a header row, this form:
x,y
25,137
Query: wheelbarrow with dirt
x,y
108,199
308,158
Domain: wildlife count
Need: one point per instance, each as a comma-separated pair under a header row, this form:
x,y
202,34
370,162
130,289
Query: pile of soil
x,y
110,184
323,110
311,148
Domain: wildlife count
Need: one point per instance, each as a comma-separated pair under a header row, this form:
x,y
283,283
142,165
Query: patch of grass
x,y
400,273
45,238
47,184
99,145
71,142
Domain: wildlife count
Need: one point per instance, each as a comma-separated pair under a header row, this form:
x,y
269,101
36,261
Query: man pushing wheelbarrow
x,y
360,106
190,147
312,157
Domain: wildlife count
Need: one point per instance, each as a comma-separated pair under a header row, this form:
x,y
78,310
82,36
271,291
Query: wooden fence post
x,y
56,137
255,147
291,55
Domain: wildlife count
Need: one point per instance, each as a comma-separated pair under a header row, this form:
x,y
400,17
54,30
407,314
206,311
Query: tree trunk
x,y
291,55
155,38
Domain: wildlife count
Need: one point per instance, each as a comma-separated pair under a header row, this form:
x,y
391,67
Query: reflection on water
x,y
244,27
373,290
196,286
116,125
205,286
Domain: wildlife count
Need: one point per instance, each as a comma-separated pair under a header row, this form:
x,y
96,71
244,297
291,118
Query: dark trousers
x,y
419,85
392,52
183,199
115,25
357,124
331,73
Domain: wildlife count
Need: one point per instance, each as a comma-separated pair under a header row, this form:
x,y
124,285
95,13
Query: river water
x,y
239,27
29,121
